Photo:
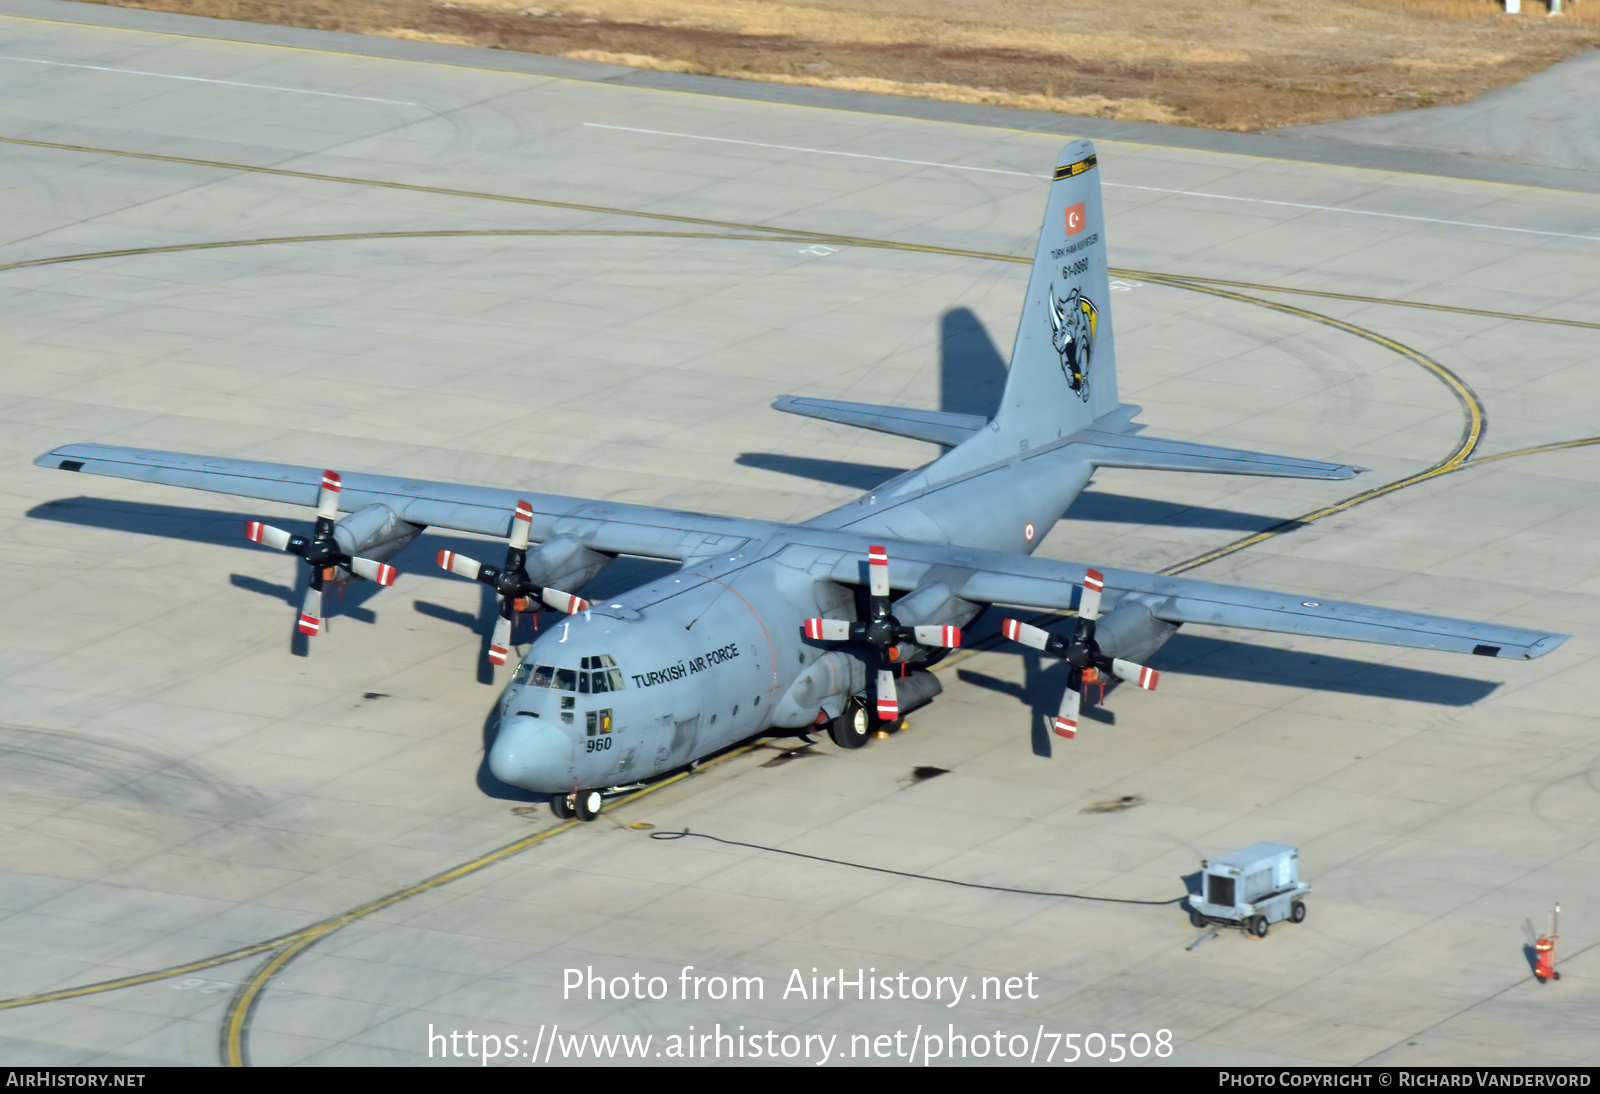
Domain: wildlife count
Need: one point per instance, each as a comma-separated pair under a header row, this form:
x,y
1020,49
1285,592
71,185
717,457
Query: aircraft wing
x,y
609,527
991,577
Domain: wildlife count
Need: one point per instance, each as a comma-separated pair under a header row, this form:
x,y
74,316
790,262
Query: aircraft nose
x,y
532,755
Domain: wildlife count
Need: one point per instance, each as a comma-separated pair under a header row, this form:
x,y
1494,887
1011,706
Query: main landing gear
x,y
582,804
854,727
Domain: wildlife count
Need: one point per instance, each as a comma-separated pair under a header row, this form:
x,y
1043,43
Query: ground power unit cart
x,y
1251,888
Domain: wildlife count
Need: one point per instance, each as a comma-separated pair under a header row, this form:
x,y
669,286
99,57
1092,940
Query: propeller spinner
x,y
882,632
321,552
1081,653
512,582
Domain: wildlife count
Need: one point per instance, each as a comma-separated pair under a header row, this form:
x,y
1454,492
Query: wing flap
x,y
1331,619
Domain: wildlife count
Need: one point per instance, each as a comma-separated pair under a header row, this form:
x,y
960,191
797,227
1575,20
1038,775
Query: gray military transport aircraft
x,y
775,628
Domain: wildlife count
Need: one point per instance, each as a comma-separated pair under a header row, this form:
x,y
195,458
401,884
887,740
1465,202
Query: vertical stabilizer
x,y
1063,365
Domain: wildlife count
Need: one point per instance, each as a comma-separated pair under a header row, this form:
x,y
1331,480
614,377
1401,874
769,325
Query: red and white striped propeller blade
x,y
948,637
500,644
827,630
328,496
1067,721
1135,674
521,525
267,535
888,701
381,572
878,571
311,612
564,602
1025,633
468,568
1094,582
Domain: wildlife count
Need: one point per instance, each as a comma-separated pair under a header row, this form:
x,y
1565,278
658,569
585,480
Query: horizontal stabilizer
x,y
1154,454
934,426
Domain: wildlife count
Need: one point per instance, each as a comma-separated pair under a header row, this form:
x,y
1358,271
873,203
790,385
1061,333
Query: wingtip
x,y
1545,645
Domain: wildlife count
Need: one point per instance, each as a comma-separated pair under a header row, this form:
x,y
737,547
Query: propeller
x,y
321,552
512,582
882,632
1081,653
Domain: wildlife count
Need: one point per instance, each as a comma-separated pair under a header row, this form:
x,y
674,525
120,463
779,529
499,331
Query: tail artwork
x,y
1063,373
1064,363
1061,390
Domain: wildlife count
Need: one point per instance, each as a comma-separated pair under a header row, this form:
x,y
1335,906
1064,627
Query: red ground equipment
x,y
1544,951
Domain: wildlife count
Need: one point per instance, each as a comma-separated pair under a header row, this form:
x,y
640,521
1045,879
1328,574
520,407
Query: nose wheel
x,y
582,804
586,804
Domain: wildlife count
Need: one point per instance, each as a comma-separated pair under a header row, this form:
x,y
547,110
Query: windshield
x,y
597,674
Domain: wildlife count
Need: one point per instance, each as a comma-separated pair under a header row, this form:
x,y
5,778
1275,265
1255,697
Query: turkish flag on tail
x,y
1074,219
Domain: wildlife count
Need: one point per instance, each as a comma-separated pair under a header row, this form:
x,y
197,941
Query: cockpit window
x,y
594,677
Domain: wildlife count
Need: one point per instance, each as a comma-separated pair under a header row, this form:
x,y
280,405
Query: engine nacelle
x,y
374,531
561,562
1132,630
933,604
917,688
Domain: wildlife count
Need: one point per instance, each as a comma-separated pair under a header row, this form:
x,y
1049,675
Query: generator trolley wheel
x,y
1297,911
1197,919
1258,926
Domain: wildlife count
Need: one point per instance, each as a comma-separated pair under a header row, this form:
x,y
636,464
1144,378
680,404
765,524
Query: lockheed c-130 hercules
x,y
774,628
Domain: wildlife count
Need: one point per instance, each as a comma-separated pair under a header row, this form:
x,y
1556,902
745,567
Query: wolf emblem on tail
x,y
1072,327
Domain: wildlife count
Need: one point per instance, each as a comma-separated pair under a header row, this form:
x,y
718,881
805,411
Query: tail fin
x,y
1064,366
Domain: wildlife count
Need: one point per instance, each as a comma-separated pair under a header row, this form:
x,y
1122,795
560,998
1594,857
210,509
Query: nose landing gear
x,y
582,804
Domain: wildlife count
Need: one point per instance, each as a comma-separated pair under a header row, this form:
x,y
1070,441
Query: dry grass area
x,y
1223,64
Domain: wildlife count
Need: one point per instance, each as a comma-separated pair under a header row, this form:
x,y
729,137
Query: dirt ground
x,y
1221,64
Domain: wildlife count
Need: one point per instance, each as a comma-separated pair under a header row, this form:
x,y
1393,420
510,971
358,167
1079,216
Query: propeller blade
x,y
827,630
1067,721
311,609
948,637
328,496
500,644
564,602
888,701
381,572
468,568
1093,583
1026,634
878,571
521,526
267,535
1135,674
